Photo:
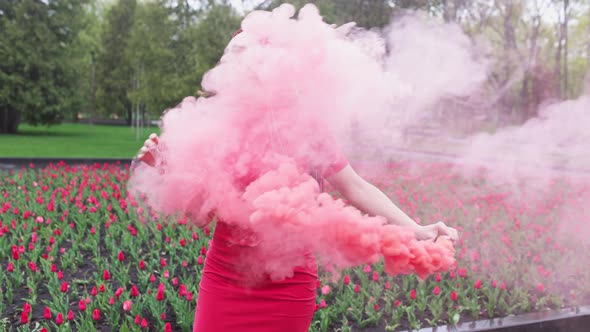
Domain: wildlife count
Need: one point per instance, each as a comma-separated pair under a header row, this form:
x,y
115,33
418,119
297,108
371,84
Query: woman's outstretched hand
x,y
433,231
148,152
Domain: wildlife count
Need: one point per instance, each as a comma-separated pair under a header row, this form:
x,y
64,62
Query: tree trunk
x,y
565,41
558,52
529,107
509,49
588,42
93,90
129,120
9,121
446,11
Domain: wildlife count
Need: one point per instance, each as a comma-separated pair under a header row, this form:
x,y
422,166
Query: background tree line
x,y
101,59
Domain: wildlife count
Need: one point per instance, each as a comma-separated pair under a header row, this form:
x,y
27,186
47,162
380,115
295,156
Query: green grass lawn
x,y
73,141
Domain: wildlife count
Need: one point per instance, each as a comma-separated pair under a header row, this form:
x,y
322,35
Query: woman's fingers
x,y
154,138
149,144
148,152
147,157
445,230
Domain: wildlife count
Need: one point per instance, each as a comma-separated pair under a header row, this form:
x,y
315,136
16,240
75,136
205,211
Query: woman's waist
x,y
235,257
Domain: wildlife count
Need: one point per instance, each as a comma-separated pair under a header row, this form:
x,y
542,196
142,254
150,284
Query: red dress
x,y
227,303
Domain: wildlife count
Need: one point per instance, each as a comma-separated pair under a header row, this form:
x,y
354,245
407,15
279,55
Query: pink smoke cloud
x,y
286,90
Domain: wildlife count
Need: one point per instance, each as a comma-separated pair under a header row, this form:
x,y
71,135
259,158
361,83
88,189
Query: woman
x,y
226,304
230,299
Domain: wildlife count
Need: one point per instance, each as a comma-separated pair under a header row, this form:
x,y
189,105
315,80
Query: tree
x,y
366,13
171,46
114,70
37,80
150,54
212,34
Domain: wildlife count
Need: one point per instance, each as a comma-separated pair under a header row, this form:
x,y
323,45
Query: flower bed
x,y
79,254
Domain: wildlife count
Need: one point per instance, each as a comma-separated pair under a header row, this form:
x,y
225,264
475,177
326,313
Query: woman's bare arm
x,y
369,199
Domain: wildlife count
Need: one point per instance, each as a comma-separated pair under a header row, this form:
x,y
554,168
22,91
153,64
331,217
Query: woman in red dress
x,y
230,299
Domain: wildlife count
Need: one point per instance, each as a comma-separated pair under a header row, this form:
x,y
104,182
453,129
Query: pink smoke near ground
x,y
543,163
286,93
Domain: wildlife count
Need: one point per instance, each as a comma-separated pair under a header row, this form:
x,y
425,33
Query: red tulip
x,y
436,290
182,290
82,304
127,305
119,291
134,291
47,313
160,295
70,315
96,314
167,327
462,272
106,275
375,276
477,284
59,319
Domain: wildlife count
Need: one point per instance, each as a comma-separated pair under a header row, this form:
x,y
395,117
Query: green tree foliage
x,y
114,69
37,79
212,34
60,58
